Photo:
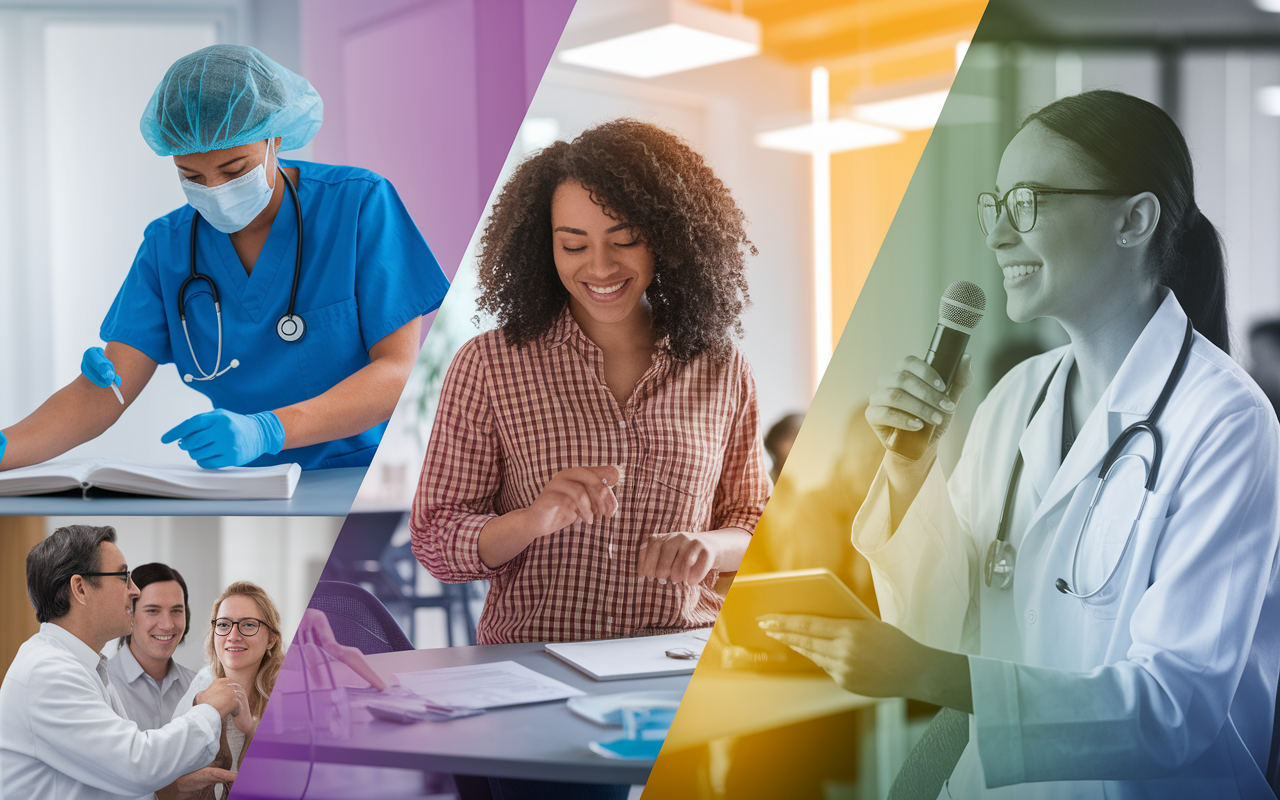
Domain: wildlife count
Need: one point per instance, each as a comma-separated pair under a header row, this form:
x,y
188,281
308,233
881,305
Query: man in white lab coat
x,y
63,733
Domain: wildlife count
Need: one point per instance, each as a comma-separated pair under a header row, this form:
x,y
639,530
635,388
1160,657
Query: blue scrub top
x,y
366,271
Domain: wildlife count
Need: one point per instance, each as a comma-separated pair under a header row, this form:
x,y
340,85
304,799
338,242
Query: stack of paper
x,y
502,683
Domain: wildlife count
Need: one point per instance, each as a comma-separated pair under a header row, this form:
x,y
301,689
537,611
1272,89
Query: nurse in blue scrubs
x,y
303,357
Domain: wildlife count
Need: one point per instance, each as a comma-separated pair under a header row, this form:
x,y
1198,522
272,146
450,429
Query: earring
x,y
1124,241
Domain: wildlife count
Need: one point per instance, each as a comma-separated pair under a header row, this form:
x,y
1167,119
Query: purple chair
x,y
358,619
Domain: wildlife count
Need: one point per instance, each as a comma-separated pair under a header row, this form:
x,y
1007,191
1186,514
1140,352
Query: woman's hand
x,y
242,716
95,366
906,401
223,695
683,557
676,557
222,438
914,396
736,657
576,494
875,659
192,785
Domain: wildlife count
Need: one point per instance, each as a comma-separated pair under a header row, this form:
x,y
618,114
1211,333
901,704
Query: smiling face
x,y
235,650
1070,260
159,619
602,262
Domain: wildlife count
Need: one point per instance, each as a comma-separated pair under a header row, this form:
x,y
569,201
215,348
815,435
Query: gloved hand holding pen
x,y
222,438
100,371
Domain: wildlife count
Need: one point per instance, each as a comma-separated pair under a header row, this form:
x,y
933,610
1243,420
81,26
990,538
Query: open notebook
x,y
118,475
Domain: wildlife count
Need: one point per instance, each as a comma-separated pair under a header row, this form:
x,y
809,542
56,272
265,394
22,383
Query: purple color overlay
x,y
430,94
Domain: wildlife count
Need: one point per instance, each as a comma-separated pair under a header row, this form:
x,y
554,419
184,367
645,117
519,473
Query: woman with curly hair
x,y
597,457
245,644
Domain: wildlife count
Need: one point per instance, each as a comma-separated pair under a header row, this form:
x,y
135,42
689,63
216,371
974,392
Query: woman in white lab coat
x,y
1155,674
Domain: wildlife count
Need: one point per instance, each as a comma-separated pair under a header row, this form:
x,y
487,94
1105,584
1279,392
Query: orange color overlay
x,y
732,738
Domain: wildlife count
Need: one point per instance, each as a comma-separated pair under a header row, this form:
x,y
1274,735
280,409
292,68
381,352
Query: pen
x,y
119,396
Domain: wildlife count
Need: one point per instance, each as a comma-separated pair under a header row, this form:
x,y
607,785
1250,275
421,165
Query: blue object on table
x,y
628,749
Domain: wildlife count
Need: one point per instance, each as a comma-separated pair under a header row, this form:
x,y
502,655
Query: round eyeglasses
x,y
1022,203
248,626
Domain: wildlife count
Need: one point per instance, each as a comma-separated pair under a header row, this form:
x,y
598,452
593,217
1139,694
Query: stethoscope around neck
x,y
1001,556
289,328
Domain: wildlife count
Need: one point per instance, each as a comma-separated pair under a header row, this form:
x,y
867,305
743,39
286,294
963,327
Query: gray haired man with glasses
x,y
63,731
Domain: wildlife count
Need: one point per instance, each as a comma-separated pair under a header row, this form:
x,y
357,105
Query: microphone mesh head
x,y
962,305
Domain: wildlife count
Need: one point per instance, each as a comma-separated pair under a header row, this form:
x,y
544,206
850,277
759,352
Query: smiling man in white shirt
x,y
63,731
143,671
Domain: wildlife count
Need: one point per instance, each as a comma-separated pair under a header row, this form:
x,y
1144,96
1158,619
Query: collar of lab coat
x,y
1129,398
72,643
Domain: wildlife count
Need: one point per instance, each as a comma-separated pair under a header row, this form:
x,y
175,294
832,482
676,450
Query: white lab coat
x,y
1164,684
63,733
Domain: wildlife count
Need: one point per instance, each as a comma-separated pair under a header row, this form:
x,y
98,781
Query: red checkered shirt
x,y
510,418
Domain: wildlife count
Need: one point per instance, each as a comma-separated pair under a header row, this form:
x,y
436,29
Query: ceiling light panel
x,y
911,113
837,136
676,37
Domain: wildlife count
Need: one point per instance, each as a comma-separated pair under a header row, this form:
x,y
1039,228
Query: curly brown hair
x,y
652,180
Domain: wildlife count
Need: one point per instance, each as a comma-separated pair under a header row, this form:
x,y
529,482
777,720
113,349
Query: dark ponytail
x,y
1138,148
1200,282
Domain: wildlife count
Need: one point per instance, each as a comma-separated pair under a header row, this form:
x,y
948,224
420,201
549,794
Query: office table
x,y
543,741
320,493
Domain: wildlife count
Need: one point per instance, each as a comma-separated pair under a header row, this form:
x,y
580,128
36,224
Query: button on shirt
x,y
510,418
148,702
63,734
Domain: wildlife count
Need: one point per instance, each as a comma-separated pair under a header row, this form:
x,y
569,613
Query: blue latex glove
x,y
98,368
3,443
222,438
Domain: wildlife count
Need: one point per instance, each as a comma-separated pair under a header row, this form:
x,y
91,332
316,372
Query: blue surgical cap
x,y
228,95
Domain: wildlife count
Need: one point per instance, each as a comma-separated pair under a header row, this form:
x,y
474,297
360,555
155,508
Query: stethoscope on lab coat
x,y
998,569
289,328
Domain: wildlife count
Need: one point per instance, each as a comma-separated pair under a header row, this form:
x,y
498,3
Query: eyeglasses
x,y
122,575
1021,202
248,626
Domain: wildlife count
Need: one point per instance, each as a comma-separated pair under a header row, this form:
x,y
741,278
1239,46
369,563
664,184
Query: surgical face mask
x,y
231,206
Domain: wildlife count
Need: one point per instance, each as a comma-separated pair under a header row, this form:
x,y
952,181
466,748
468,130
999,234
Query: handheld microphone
x,y
960,311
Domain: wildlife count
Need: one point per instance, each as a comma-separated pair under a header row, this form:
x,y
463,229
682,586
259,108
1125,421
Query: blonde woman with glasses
x,y
243,644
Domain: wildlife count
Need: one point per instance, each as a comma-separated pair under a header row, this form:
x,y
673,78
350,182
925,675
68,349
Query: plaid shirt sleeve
x,y
460,476
744,484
